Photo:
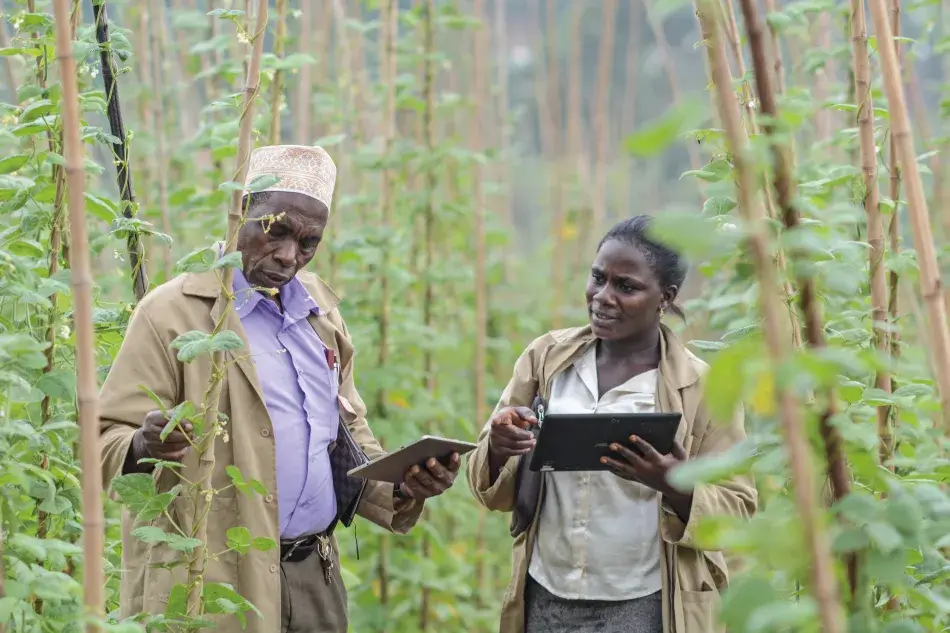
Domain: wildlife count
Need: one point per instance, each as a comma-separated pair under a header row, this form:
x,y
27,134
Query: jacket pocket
x,y
167,567
699,612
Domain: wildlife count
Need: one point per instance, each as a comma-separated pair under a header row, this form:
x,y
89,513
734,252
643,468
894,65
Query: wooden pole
x,y
825,585
875,225
93,522
785,195
601,116
893,305
277,88
938,333
204,493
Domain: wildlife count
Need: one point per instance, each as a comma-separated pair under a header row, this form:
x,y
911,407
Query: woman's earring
x,y
661,312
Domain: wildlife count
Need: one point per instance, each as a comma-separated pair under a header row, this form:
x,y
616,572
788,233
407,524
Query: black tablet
x,y
576,442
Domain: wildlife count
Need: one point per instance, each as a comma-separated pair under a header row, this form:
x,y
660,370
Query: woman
x,y
611,551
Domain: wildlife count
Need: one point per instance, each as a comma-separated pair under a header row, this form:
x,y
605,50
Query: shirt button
x,y
269,498
273,569
265,432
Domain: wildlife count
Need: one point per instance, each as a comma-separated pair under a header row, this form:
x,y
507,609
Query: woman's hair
x,y
667,264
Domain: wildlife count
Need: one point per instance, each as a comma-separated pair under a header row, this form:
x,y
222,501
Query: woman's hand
x,y
510,436
651,469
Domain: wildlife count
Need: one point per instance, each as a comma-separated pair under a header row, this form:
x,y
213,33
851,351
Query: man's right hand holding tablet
x,y
510,436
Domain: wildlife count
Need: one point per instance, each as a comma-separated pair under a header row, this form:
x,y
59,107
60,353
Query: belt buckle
x,y
293,548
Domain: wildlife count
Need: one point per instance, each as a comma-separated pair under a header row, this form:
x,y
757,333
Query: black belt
x,y
299,549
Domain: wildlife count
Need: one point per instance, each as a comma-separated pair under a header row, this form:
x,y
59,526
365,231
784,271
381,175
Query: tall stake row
x,y
87,386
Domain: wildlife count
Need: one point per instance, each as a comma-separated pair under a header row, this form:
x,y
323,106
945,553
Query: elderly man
x,y
293,414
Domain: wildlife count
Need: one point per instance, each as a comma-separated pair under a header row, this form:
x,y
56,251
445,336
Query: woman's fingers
x,y
637,462
649,453
679,452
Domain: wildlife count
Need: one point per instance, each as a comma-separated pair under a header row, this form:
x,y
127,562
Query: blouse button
x,y
273,569
265,432
269,498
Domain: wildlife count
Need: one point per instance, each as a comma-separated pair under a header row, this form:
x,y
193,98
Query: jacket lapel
x,y
208,285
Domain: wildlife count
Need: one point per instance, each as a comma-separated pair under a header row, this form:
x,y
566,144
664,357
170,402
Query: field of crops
x,y
794,150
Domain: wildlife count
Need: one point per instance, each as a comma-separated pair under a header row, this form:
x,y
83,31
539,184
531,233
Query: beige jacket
x,y
692,578
193,302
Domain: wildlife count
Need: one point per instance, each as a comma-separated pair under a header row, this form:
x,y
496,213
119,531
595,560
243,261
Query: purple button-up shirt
x,y
300,392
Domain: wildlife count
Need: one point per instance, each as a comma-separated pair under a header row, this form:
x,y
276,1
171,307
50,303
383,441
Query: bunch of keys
x,y
325,551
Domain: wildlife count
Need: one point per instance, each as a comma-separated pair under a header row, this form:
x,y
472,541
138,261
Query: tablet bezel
x,y
562,434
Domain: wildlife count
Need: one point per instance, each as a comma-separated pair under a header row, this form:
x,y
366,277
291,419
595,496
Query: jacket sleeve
x,y
735,497
379,503
144,360
499,495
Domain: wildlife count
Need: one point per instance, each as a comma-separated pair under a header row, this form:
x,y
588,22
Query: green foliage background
x,y
182,112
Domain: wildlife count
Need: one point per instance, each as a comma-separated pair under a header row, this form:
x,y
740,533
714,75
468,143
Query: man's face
x,y
280,237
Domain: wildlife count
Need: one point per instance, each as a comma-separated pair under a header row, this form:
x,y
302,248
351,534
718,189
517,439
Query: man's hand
x,y
147,442
432,480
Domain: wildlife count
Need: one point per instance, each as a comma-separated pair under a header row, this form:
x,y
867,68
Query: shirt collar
x,y
586,367
297,302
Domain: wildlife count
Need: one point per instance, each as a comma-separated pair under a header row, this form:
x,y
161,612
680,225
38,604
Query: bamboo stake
x,y
875,228
893,305
811,307
388,65
304,92
429,232
669,67
120,149
825,586
939,335
476,142
601,116
87,386
277,87
161,150
203,496
503,107
628,120
552,147
823,127
775,49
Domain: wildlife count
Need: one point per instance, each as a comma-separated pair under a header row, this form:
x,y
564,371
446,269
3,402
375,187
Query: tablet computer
x,y
576,442
392,467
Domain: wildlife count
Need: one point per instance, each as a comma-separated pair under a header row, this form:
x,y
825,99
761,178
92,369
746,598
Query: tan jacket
x,y
692,579
193,302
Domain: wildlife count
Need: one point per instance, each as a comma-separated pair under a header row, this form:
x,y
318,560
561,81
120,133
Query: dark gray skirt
x,y
547,613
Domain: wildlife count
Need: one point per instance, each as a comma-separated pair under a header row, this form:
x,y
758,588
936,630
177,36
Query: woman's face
x,y
624,295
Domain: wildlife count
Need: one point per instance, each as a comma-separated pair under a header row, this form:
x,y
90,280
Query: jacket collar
x,y
208,285
676,362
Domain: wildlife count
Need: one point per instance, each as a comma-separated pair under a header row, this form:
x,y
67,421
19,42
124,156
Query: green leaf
x,y
134,490
13,163
330,141
262,182
191,344
58,383
664,131
263,544
225,340
239,539
36,110
884,536
231,260
718,205
103,209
